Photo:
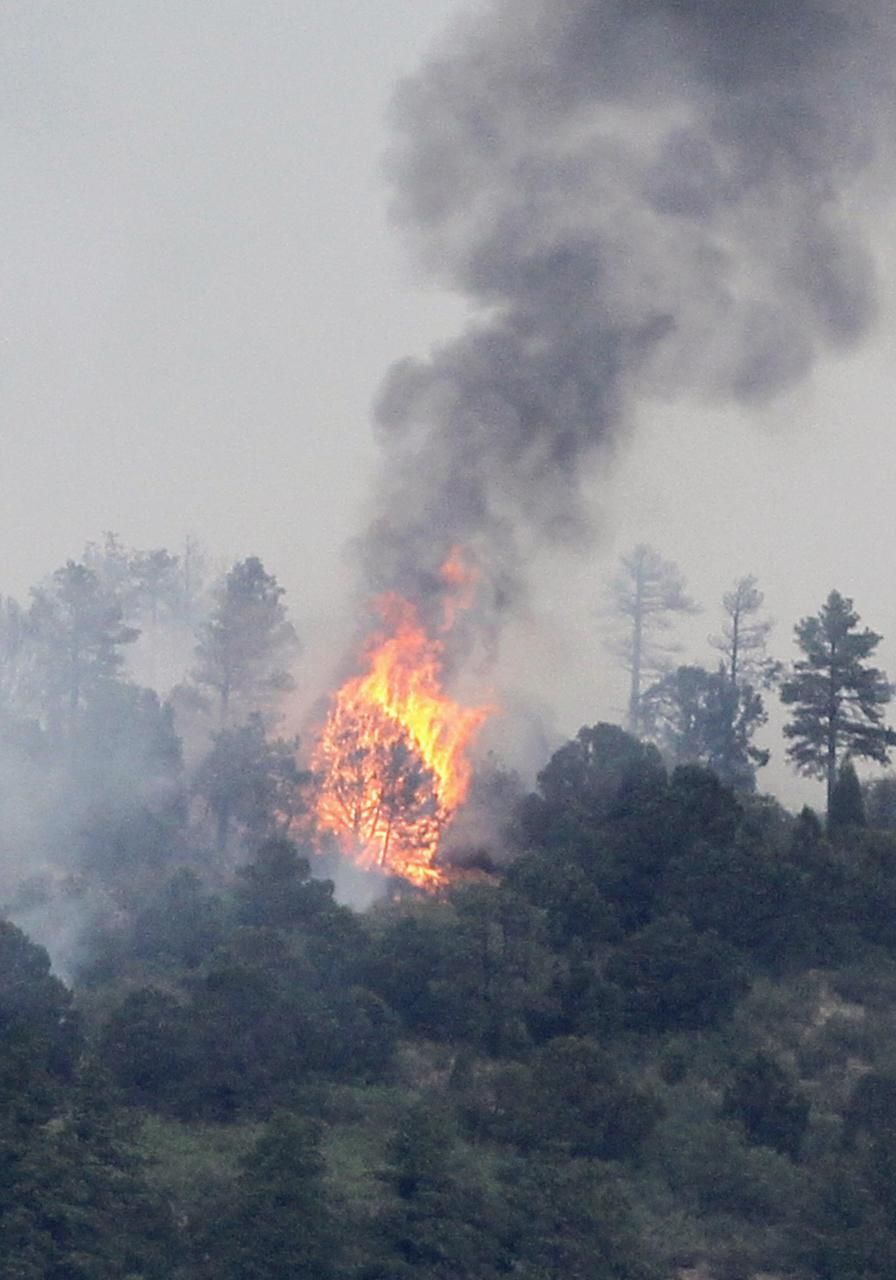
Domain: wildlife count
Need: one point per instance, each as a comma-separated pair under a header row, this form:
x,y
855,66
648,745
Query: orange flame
x,y
392,757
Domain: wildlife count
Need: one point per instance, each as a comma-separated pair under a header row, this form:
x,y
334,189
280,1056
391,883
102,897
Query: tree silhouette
x,y
645,594
79,632
701,717
838,699
246,646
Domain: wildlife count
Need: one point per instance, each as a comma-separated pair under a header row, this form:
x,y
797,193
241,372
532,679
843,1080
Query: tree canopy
x,y
247,644
838,698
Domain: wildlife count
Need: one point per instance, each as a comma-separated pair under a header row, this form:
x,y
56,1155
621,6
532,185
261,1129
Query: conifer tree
x,y
838,699
847,808
645,595
742,640
247,644
79,631
745,669
702,717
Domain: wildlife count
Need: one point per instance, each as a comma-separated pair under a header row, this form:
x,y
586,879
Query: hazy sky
x,y
201,292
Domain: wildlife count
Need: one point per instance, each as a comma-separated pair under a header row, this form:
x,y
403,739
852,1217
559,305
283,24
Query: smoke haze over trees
x,y
99,769
197,326
631,1052
646,594
607,1033
644,1022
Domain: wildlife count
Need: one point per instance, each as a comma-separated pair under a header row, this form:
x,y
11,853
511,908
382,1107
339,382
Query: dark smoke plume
x,y
637,197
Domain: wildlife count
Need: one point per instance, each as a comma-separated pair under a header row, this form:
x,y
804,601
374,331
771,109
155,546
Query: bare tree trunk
x,y
833,710
634,699
831,763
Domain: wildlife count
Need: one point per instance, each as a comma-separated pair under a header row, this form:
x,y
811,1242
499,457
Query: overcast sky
x,y
201,292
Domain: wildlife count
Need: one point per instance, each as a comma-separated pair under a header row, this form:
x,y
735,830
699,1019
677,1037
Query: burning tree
x,y
379,789
391,759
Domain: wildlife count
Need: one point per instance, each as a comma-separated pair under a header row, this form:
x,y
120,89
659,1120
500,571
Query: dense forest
x,y
648,1031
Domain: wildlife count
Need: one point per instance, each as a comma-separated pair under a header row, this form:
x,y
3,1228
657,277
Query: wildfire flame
x,y
392,757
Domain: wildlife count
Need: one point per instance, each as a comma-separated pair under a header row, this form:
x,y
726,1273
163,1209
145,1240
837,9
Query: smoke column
x,y
636,197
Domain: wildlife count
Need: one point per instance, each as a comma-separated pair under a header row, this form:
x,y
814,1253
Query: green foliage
x,y
276,889
871,1112
711,1168
703,717
838,699
847,807
572,1099
40,1036
845,1234
145,1047
574,909
76,1205
279,1225
180,927
755,899
597,1063
441,1220
475,968
78,631
574,1219
249,1031
672,977
264,1023
589,780
246,645
193,1166
503,969
768,1104
600,805
250,781
409,963
880,803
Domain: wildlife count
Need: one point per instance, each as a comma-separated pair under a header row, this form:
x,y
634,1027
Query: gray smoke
x,y
637,198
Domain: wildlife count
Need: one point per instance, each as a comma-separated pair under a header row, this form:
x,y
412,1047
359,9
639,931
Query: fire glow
x,y
391,761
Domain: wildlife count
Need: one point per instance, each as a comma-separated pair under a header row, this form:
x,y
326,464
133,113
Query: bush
x,y
672,977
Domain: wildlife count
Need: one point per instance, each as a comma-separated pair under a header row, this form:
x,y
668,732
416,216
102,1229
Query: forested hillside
x,y
647,1029
663,1038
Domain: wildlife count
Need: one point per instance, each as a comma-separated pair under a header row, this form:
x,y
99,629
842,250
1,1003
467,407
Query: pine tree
x,y
847,807
280,1225
702,717
246,646
745,668
838,699
742,640
79,631
645,594
252,781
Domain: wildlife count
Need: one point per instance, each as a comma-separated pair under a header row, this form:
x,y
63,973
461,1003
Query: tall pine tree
x,y
838,699
247,644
